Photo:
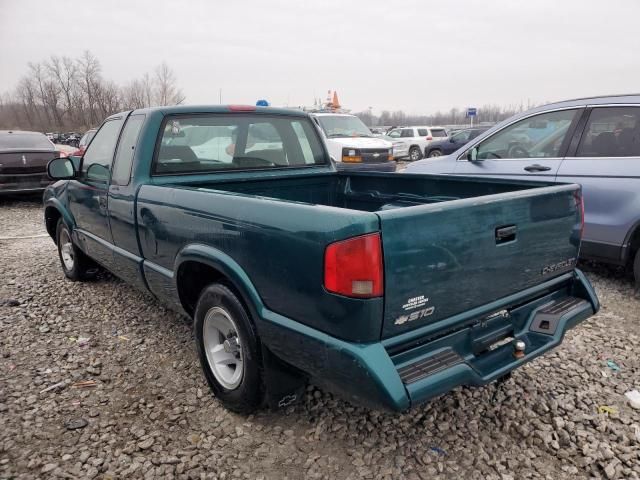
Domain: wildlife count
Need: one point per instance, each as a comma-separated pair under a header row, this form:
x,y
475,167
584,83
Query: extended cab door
x,y
88,193
529,149
121,202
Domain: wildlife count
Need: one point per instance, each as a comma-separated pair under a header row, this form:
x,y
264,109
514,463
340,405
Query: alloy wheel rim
x,y
66,250
223,347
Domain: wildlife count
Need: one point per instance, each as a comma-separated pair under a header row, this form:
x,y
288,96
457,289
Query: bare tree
x,y
166,92
89,73
64,72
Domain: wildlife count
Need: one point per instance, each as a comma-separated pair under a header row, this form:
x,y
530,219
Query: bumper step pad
x,y
428,366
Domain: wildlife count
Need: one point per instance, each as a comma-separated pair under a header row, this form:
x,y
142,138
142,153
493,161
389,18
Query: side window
x,y
96,161
540,136
423,132
406,133
394,134
611,132
305,145
474,134
461,137
124,156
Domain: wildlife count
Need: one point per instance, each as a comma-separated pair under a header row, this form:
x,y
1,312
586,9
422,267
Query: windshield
x,y
343,126
25,141
204,143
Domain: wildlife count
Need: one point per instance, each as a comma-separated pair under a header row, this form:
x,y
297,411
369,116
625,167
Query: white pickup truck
x,y
352,145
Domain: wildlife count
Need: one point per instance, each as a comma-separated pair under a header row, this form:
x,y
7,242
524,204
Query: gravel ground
x,y
100,381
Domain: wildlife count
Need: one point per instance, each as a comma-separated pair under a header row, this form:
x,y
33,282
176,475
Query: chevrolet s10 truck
x,y
388,289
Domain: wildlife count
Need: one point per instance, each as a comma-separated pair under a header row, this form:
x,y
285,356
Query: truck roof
x,y
332,114
178,109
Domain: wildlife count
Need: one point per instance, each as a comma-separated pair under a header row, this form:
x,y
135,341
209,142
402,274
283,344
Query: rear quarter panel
x,y
278,244
611,192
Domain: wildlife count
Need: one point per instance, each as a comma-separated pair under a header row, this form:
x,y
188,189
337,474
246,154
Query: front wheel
x,y
75,264
228,349
414,154
435,153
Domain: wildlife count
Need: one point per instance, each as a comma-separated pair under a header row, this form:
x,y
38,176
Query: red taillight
x,y
353,267
242,108
579,199
429,137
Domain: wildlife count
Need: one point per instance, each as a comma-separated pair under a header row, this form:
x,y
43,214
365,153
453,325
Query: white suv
x,y
412,142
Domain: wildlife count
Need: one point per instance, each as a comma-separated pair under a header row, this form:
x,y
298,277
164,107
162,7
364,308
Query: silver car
x,y
591,141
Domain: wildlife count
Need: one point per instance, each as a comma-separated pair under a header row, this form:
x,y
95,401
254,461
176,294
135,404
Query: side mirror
x,y
61,169
472,155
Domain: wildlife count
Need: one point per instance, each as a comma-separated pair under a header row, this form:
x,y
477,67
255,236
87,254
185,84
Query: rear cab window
x,y
215,142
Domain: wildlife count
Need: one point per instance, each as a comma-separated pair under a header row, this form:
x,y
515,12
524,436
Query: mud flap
x,y
285,384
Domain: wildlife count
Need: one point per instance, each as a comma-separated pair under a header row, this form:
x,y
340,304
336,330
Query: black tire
x,y
636,269
81,267
414,154
435,153
248,395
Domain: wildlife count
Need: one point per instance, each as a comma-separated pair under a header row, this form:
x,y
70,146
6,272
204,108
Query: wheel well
x,y
634,244
194,276
414,146
51,217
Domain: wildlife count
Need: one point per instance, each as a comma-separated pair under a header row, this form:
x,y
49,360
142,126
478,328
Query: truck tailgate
x,y
446,258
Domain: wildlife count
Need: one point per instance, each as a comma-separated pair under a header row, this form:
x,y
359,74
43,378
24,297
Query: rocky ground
x,y
99,381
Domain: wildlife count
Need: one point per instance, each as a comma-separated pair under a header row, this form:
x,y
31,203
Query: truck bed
x,y
449,244
365,191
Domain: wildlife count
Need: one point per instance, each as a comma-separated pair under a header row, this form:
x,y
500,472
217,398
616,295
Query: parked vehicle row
x,y
594,142
452,143
70,138
413,142
389,289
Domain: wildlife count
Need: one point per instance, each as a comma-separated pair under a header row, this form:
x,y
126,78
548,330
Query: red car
x,y
84,142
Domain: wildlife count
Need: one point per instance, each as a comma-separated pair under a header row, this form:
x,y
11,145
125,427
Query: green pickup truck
x,y
387,289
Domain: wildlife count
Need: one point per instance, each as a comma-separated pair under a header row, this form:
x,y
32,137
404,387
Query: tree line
x,y
485,114
65,94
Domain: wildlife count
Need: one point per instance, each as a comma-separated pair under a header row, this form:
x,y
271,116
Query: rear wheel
x,y
636,269
228,349
414,154
75,264
435,153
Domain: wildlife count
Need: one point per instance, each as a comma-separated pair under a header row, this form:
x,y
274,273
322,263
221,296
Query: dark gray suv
x,y
591,141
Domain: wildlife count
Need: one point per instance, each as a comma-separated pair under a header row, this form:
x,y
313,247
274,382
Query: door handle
x,y
537,168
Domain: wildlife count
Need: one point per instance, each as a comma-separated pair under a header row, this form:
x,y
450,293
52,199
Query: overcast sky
x,y
418,56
